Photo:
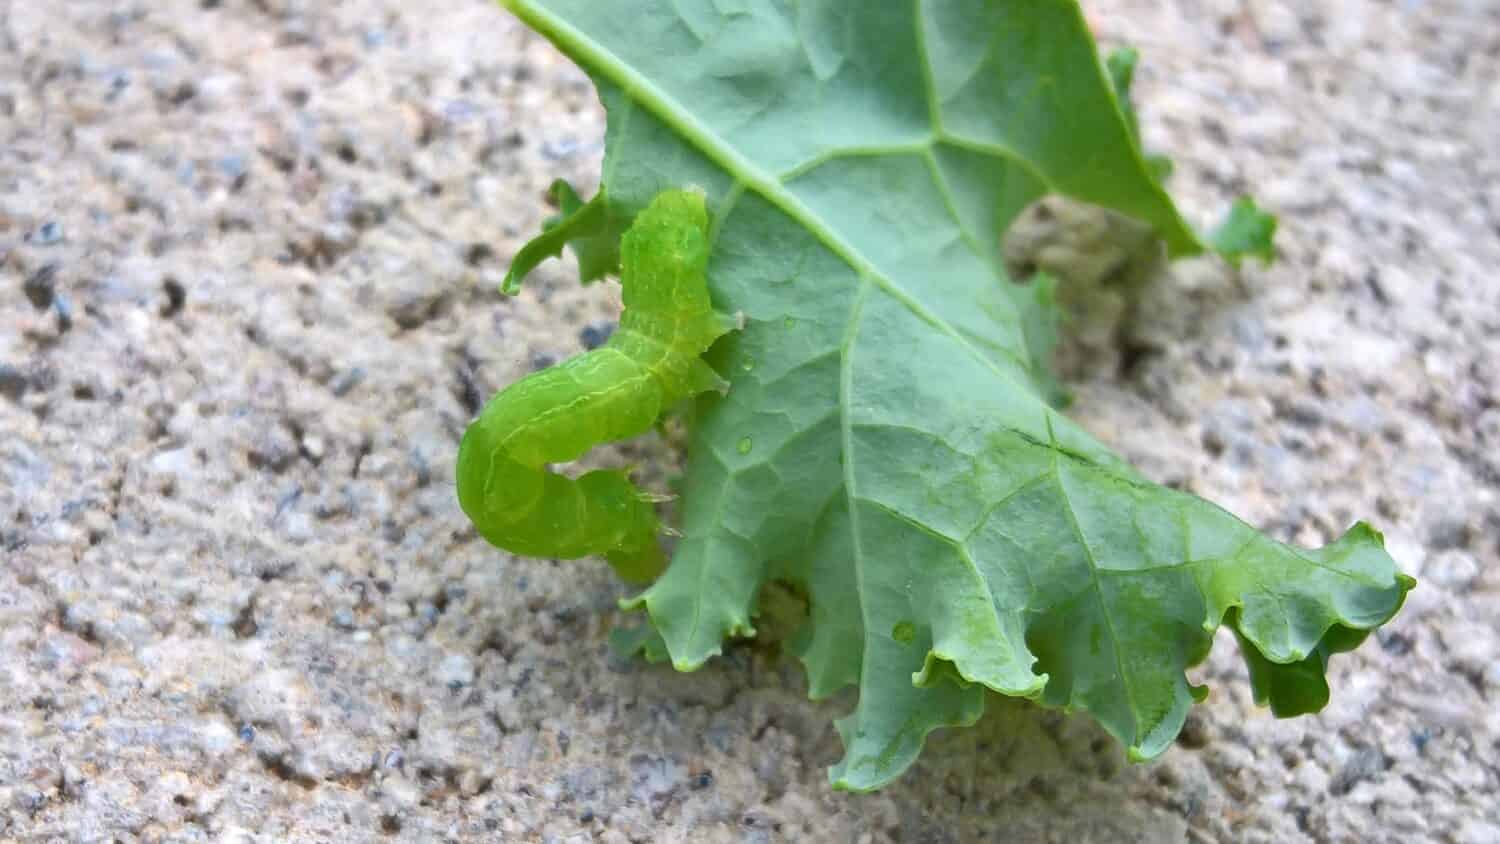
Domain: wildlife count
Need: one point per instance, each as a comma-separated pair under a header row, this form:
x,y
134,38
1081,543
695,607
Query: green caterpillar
x,y
612,393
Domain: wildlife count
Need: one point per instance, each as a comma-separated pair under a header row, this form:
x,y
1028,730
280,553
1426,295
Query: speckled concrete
x,y
248,260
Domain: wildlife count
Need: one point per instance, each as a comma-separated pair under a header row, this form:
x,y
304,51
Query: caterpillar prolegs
x,y
617,391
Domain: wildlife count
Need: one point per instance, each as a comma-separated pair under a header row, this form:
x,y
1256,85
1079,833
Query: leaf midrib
x,y
646,94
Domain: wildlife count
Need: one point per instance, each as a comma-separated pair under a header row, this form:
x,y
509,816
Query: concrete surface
x,y
248,260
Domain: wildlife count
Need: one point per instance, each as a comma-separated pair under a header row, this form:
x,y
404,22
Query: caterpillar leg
x,y
730,322
703,378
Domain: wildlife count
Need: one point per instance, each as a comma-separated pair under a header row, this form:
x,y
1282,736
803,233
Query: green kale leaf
x,y
592,228
1246,230
887,444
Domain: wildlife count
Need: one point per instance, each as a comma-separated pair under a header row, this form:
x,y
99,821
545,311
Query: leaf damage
x,y
890,443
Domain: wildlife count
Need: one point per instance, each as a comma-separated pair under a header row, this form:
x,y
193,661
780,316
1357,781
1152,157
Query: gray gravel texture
x,y
249,252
